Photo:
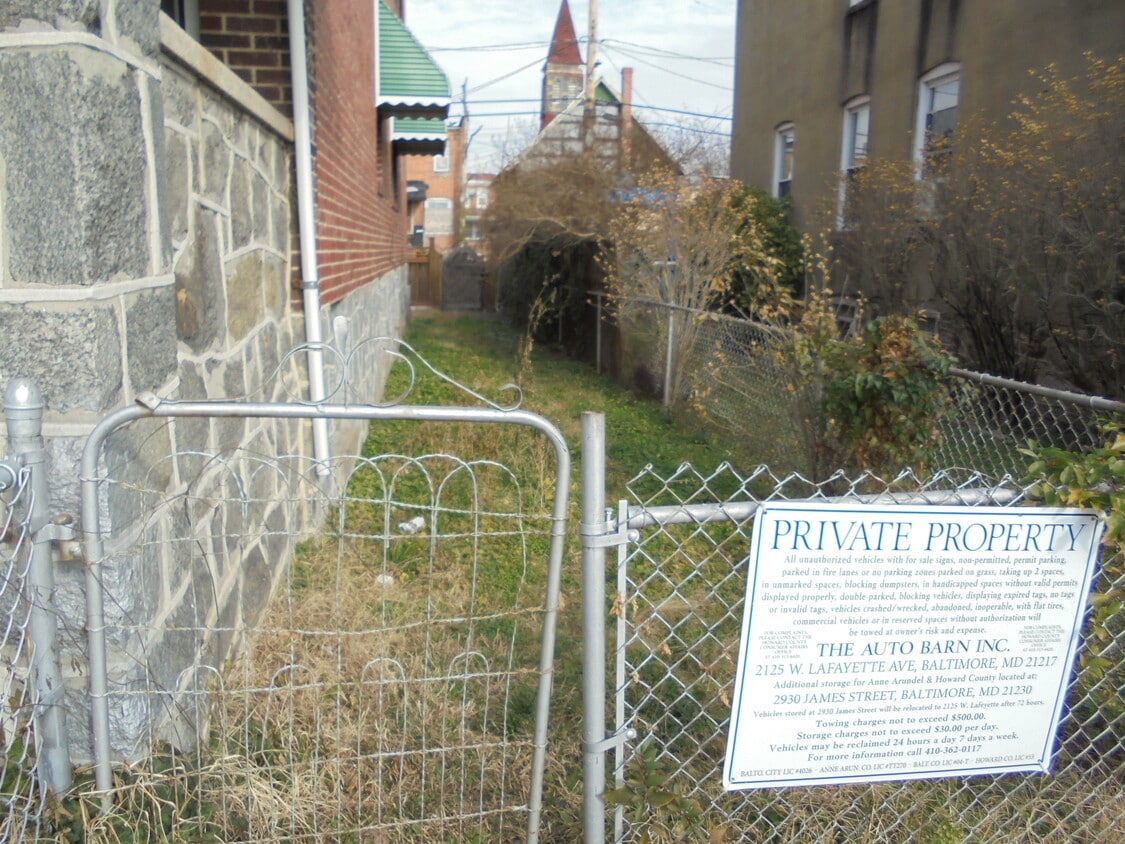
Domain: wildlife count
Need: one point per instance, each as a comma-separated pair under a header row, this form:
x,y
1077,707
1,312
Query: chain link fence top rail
x,y
679,607
21,799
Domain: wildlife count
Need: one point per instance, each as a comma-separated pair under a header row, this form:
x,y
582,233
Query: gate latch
x,y
611,742
609,534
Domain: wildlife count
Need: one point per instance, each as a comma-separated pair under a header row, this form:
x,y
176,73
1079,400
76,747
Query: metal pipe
x,y
593,628
23,413
306,224
668,360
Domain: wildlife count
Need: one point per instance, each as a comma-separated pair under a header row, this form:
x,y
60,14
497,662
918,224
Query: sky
x,y
681,51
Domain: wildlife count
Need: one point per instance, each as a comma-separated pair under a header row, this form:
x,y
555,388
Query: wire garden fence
x,y
682,542
396,684
283,648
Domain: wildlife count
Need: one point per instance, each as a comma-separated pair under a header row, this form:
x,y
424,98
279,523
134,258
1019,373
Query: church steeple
x,y
563,74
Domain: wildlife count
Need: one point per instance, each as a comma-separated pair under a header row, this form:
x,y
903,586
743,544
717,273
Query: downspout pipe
x,y
306,225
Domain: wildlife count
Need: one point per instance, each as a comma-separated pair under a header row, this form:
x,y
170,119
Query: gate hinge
x,y
609,534
63,534
611,742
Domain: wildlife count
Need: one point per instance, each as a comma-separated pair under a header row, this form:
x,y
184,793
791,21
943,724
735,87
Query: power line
x,y
664,69
477,102
501,78
646,49
492,48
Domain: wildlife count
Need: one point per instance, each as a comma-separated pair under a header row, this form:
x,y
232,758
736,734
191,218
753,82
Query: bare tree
x,y
700,145
681,246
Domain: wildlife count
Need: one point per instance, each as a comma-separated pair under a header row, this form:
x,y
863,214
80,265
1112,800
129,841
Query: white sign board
x,y
888,642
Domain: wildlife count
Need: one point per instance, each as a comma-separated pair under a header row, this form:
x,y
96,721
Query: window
x,y
185,13
939,92
438,216
853,147
482,200
785,140
441,163
857,127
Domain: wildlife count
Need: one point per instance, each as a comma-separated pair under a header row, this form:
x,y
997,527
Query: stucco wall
x,y
802,60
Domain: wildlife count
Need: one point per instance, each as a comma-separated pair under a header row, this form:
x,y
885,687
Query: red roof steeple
x,y
564,43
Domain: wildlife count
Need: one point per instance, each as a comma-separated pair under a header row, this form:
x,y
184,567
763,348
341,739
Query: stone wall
x,y
146,229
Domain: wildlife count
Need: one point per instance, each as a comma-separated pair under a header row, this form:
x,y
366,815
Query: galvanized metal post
x,y
668,361
23,413
593,527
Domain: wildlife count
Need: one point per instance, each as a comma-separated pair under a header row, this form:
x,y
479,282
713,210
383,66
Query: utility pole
x,y
588,114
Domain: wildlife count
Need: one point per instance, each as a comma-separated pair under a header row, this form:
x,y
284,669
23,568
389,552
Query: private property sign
x,y
895,642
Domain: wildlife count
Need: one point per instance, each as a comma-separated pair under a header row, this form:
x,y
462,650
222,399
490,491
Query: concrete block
x,y
214,164
71,138
200,291
139,23
241,204
245,282
60,14
150,335
73,355
176,185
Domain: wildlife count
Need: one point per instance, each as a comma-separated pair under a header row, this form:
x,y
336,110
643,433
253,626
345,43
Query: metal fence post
x,y
593,628
668,360
23,413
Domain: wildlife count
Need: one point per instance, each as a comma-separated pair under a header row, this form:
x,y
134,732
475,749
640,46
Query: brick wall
x,y
361,199
361,203
447,184
251,37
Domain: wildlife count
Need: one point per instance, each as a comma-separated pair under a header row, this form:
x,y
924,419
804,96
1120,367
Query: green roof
x,y
425,128
410,83
419,135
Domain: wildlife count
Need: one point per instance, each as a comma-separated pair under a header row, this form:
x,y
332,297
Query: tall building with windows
x,y
822,85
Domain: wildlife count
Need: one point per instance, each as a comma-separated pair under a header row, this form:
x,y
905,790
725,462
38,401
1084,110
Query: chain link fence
x,y
21,802
722,367
679,603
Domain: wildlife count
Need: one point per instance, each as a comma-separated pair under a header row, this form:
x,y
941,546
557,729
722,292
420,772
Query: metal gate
x,y
354,647
675,613
417,710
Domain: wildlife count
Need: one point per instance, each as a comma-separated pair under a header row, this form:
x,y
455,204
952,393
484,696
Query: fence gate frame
x,y
151,407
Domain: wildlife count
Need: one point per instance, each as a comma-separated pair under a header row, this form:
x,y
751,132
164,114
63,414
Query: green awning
x,y
418,135
410,83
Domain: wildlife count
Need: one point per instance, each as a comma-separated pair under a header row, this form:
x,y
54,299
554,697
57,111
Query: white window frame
x,y
429,209
927,84
779,144
186,13
853,108
441,163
